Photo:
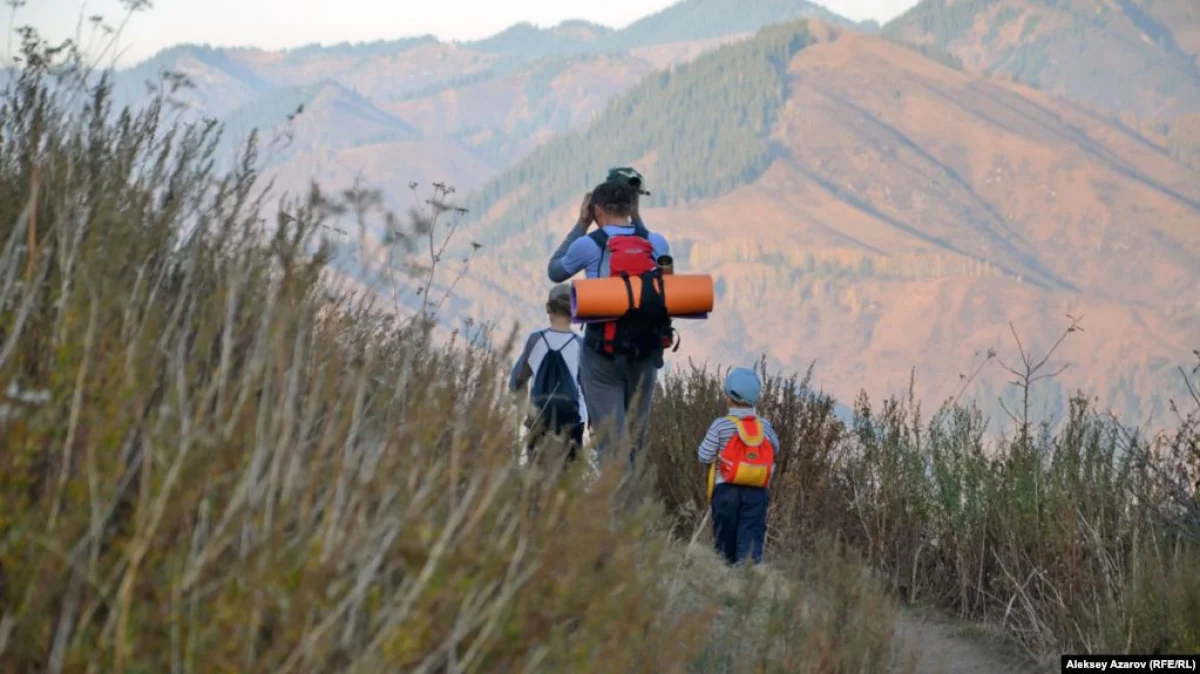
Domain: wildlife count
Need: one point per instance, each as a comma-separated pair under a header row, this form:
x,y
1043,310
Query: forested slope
x,y
708,120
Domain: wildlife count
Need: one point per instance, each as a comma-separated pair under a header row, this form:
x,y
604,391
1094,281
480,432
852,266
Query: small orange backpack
x,y
748,458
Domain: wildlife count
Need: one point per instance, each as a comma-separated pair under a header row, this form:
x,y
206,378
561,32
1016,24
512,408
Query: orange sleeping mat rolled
x,y
606,299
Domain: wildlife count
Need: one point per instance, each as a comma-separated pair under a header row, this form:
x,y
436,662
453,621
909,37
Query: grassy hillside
x,y
1183,140
222,81
505,113
1184,20
323,115
217,456
1124,56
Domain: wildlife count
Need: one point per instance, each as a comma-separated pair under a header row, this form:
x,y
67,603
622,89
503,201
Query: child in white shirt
x,y
550,360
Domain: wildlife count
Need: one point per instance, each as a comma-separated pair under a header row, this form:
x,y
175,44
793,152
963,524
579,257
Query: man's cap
x,y
628,176
743,386
611,194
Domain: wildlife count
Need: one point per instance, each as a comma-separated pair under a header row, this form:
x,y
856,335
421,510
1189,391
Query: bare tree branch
x,y
1031,373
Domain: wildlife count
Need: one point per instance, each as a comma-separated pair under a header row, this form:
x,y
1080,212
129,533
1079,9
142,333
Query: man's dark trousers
x,y
740,521
610,386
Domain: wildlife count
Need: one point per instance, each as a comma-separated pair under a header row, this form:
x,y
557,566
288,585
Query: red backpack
x,y
749,457
645,329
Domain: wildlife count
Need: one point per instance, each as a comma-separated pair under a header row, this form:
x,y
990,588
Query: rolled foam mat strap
x,y
687,295
605,319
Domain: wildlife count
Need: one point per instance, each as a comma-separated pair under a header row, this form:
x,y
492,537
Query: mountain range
x,y
881,200
1136,56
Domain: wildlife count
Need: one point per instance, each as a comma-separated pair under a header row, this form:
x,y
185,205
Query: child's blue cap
x,y
742,384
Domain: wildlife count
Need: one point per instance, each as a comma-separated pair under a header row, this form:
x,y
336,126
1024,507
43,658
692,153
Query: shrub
x,y
1069,539
809,432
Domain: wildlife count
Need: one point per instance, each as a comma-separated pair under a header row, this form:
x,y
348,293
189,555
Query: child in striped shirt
x,y
740,451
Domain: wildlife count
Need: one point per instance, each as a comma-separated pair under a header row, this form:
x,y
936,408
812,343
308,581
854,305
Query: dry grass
x,y
215,460
1084,538
822,612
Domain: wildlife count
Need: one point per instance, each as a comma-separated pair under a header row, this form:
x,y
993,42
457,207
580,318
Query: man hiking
x,y
620,360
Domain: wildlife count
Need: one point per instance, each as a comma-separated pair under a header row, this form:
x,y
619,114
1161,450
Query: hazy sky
x,y
288,23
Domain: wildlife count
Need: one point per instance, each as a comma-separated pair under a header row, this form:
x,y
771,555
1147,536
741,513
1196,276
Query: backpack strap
x,y
601,238
750,440
559,349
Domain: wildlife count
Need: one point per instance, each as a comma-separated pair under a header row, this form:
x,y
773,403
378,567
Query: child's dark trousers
x,y
740,521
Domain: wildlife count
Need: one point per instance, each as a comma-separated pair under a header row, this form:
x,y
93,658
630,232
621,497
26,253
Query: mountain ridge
x,y
424,69
1115,55
675,23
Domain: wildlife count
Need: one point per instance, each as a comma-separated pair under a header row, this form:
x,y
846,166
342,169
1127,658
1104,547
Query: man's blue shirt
x,y
580,252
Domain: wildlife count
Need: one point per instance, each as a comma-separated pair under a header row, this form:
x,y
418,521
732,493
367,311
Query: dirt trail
x,y
938,648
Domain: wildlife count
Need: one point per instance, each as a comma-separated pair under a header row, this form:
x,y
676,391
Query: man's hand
x,y
585,211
